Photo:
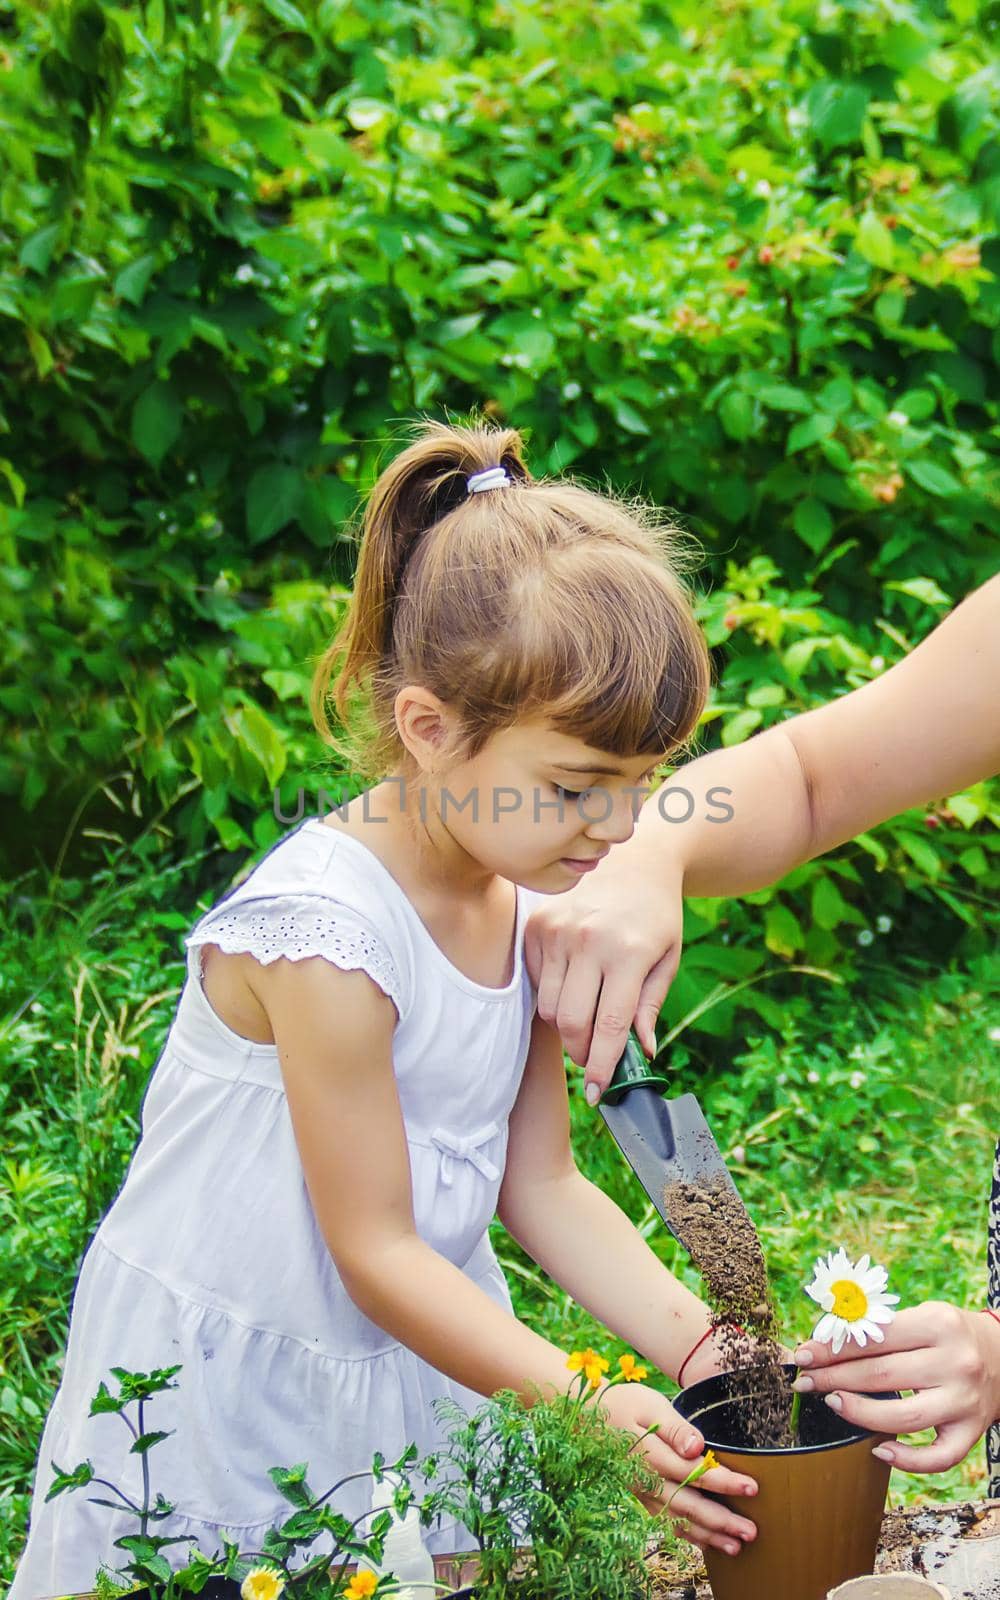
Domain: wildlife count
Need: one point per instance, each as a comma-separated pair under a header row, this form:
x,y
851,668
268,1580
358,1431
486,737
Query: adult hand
x,y
949,1358
603,957
672,1451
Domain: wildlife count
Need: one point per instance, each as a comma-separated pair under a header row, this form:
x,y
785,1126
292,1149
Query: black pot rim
x,y
854,1437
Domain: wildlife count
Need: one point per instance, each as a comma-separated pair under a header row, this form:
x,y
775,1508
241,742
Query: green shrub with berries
x,y
743,261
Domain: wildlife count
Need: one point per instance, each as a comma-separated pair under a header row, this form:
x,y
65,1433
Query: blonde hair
x,y
538,598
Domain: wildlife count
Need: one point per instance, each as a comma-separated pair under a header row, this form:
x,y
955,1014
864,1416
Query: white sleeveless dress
x,y
211,1255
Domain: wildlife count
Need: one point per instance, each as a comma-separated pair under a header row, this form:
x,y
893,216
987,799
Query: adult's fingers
x,y
549,983
914,1328
578,1003
875,1373
952,1445
631,992
931,1408
654,991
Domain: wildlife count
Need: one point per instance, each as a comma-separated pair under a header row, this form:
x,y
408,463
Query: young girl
x,y
355,1081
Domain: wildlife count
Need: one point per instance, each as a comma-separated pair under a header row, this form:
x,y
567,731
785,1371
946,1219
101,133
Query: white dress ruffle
x,y
211,1255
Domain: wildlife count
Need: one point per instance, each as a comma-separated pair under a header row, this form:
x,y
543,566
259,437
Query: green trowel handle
x,y
632,1071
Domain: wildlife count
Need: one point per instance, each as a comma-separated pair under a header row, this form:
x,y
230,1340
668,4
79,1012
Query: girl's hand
x,y
951,1361
673,1451
603,956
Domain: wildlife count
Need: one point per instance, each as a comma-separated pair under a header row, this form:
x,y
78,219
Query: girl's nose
x,y
614,816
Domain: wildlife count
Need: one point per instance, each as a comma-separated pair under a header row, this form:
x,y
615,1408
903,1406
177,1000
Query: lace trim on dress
x,y
298,926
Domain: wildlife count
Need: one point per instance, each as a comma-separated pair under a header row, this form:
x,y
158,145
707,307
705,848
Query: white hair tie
x,y
489,478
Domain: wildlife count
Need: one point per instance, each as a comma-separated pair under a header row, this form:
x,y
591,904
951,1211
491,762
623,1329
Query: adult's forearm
x,y
750,820
428,1304
926,729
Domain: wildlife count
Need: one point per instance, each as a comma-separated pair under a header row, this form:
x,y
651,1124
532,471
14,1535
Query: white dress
x,y
211,1255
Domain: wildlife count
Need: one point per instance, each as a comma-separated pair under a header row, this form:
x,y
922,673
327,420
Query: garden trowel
x,y
664,1141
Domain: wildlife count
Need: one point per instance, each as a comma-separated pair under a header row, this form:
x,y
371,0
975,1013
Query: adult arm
x,y
604,954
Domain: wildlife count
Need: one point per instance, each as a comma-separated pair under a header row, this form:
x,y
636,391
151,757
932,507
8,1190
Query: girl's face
x,y
540,807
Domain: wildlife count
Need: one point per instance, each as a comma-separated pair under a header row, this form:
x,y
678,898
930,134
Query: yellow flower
x,y
590,1364
707,1462
630,1372
361,1586
262,1583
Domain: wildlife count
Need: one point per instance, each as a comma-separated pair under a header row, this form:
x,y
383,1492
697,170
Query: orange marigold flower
x,y
630,1372
361,1586
590,1364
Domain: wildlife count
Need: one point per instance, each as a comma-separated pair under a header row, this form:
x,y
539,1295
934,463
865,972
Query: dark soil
x,y
726,1251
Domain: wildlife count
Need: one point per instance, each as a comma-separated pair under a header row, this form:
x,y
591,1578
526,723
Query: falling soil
x,y
724,1247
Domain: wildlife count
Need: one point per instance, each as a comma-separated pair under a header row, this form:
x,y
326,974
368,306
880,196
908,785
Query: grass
x,y
867,1119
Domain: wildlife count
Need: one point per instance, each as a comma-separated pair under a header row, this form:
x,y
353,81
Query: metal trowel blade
x,y
664,1142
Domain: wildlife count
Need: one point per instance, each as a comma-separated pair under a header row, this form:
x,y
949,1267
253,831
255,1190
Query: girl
x,y
354,1082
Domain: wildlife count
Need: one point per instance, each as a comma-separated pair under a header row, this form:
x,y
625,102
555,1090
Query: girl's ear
x,y
425,725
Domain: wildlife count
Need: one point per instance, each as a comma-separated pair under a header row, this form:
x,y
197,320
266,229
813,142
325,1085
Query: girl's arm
x,y
606,952
582,1240
333,1030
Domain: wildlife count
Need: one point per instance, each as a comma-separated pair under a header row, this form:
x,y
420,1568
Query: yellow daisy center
x,y
849,1300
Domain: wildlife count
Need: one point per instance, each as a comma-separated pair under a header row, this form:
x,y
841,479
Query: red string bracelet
x,y
693,1350
714,1328
987,1312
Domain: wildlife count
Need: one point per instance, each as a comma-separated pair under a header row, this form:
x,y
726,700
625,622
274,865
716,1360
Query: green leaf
x,y
741,726
146,1441
814,428
921,853
875,242
935,479
285,12
974,862
36,251
813,523
156,421
41,353
783,397
836,112
736,414
829,908
254,730
782,930
924,589
77,1479
133,280
273,496
364,114
628,417
15,482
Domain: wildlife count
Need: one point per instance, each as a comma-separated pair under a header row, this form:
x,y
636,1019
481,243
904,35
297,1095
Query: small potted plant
x,y
821,1496
344,1570
548,1491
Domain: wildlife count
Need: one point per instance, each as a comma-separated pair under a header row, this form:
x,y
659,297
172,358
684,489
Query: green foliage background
x,y
744,264
740,259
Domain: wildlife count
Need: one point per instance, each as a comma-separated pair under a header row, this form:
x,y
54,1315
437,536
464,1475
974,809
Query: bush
x,y
744,264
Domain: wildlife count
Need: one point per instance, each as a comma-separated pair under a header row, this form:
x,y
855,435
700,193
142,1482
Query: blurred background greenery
x,y
741,260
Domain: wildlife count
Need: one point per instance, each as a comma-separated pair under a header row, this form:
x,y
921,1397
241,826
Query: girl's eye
x,y
568,794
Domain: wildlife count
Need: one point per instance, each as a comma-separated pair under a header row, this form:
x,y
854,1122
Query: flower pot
x,y
891,1586
819,1505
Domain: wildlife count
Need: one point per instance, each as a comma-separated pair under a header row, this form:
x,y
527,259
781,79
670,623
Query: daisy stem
x,y
794,1419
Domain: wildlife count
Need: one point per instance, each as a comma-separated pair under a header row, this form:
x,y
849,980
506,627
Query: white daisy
x,y
853,1298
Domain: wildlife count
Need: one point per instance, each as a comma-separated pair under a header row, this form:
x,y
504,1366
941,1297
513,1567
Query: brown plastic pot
x,y
818,1510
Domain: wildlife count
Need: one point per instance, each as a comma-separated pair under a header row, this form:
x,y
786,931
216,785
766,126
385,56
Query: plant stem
x,y
793,1422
